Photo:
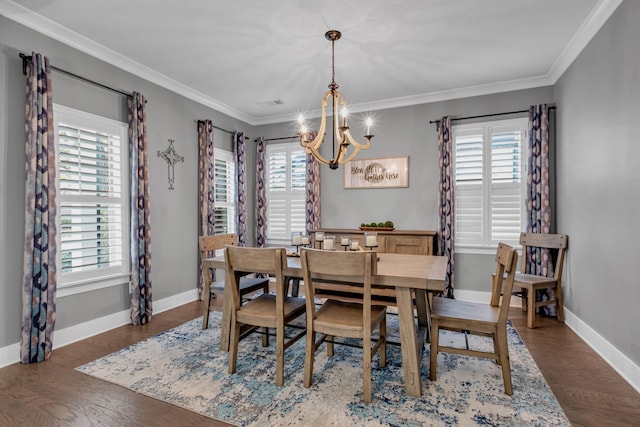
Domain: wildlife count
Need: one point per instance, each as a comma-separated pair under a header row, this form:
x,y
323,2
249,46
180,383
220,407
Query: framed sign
x,y
386,172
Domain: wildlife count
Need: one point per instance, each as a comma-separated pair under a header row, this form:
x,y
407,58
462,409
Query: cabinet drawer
x,y
410,245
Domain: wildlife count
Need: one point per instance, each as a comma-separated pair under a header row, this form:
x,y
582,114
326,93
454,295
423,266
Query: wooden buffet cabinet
x,y
415,242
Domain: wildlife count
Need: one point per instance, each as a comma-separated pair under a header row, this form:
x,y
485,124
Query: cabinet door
x,y
411,245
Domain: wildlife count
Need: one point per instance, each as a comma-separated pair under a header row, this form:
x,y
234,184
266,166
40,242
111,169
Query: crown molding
x,y
425,98
39,23
596,19
598,16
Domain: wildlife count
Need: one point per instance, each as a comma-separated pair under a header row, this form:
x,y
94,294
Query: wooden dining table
x,y
409,275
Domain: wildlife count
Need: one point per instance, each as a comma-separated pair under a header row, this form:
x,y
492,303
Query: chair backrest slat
x,y
556,243
216,242
506,262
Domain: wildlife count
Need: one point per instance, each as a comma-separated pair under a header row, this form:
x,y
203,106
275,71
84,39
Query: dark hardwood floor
x,y
54,394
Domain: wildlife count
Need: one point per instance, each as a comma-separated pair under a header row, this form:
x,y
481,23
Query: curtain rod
x,y
27,58
277,139
487,115
231,132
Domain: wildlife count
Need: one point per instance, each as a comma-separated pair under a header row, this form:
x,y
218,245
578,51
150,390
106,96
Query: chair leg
x,y
265,337
559,305
366,365
531,308
280,355
496,347
329,341
524,298
233,346
308,358
382,351
433,356
504,360
207,306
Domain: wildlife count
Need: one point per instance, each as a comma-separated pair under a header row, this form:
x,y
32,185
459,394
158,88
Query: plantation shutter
x,y
91,199
286,192
224,204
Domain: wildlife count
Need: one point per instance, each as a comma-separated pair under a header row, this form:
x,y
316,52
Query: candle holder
x,y
319,238
345,242
354,245
296,240
305,240
370,239
329,243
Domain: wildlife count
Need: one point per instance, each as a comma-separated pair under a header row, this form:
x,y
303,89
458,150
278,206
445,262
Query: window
x,y
489,182
93,211
286,191
225,192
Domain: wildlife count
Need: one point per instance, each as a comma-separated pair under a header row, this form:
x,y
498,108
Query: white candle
x,y
319,236
355,245
305,240
297,239
344,241
328,244
372,241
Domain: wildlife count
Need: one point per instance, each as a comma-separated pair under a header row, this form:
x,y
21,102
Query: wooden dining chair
x,y
555,245
338,317
266,310
248,285
479,319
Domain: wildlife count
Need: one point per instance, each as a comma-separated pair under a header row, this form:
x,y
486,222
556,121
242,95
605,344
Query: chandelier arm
x,y
355,143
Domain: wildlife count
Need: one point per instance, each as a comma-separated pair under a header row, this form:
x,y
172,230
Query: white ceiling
x,y
240,56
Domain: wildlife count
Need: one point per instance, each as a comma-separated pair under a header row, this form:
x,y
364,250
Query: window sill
x,y
480,250
89,285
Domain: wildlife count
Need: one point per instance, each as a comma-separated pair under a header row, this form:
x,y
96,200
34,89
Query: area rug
x,y
184,367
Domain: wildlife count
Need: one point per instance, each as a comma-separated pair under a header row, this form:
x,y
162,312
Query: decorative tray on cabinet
x,y
377,228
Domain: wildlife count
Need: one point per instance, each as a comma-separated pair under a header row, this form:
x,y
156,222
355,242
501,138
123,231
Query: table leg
x,y
409,343
424,316
295,286
225,327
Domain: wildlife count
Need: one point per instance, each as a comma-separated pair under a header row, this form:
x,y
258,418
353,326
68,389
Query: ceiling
x,y
266,61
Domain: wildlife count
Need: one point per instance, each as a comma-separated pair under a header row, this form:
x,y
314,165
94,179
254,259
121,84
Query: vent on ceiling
x,y
273,103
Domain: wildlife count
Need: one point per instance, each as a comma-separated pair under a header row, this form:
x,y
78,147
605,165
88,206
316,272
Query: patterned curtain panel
x,y
312,213
538,198
206,197
141,308
241,188
261,194
446,224
39,282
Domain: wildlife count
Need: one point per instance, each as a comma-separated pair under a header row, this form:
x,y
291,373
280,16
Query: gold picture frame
x,y
383,172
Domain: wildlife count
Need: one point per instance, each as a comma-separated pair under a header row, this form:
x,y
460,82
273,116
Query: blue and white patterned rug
x,y
184,367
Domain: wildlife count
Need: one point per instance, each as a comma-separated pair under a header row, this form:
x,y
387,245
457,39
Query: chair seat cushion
x,y
447,308
346,315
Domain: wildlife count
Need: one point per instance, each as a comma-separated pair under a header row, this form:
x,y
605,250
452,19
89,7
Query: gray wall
x,y
598,192
174,213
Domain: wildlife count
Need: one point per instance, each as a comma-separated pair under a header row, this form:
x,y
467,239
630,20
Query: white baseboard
x,y
624,366
483,297
11,353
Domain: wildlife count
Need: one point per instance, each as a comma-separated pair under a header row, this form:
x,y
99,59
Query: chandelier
x,y
345,148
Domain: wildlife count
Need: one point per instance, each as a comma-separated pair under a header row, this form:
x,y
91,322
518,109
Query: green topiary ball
x,y
389,224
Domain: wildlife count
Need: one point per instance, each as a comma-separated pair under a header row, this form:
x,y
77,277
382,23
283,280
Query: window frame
x,y
485,245
289,195
79,282
232,224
